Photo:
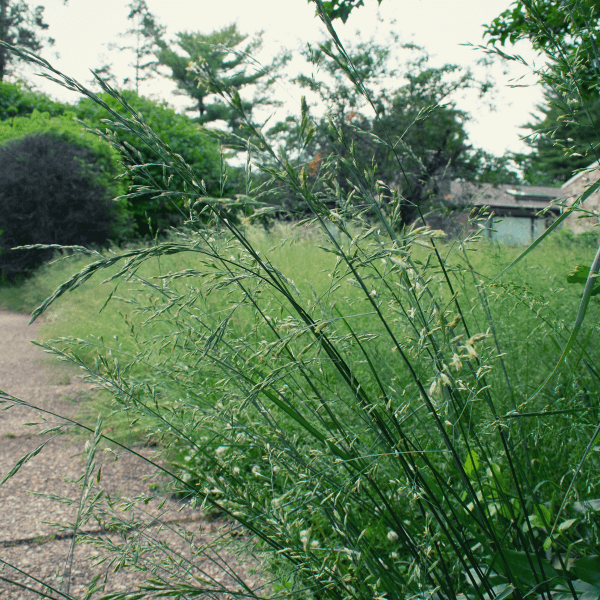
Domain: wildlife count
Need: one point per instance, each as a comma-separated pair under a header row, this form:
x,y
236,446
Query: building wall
x,y
516,230
572,189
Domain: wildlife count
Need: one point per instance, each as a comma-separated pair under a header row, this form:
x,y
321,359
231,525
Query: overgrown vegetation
x,y
385,413
150,210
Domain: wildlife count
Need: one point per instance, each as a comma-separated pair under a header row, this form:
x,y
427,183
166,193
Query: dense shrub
x,y
18,101
185,138
53,191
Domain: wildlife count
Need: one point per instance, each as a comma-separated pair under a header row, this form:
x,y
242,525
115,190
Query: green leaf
x,y
543,513
534,521
503,591
588,570
517,564
580,275
584,591
567,524
471,464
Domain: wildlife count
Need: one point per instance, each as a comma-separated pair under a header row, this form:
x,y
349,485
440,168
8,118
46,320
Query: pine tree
x,y
564,138
144,35
218,56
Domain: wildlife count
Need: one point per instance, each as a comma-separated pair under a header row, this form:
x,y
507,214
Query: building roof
x,y
506,197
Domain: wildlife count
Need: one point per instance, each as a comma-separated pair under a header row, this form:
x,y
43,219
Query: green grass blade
x,y
583,305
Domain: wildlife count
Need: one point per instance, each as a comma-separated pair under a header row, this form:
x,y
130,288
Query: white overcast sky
x,y
84,28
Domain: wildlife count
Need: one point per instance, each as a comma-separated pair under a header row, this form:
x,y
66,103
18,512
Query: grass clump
x,y
330,419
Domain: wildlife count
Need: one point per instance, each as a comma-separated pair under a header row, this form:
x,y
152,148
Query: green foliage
x,y
569,28
53,191
184,137
580,274
16,100
586,239
483,167
413,421
563,139
566,136
57,185
416,138
340,9
65,128
216,62
382,430
24,294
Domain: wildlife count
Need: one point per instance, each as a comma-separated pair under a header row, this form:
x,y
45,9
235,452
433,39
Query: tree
x,y
20,26
341,9
566,30
144,34
482,167
565,137
17,100
213,60
417,138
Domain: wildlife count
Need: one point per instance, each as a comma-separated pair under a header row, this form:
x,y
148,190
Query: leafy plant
x,y
580,274
16,100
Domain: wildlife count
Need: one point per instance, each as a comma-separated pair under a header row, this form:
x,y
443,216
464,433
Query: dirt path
x,y
27,540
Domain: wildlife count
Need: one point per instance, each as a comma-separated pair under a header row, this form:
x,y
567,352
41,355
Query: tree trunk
x,y
3,36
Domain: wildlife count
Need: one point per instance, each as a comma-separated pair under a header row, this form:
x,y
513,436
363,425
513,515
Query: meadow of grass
x,y
188,353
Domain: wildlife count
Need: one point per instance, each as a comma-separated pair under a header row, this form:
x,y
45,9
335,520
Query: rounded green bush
x,y
52,191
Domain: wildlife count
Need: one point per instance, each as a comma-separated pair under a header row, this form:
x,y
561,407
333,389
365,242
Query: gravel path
x,y
28,541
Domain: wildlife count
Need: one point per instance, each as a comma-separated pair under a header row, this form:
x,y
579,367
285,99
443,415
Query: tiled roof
x,y
502,196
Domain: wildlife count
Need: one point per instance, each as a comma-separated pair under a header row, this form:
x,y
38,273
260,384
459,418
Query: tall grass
x,y
395,426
